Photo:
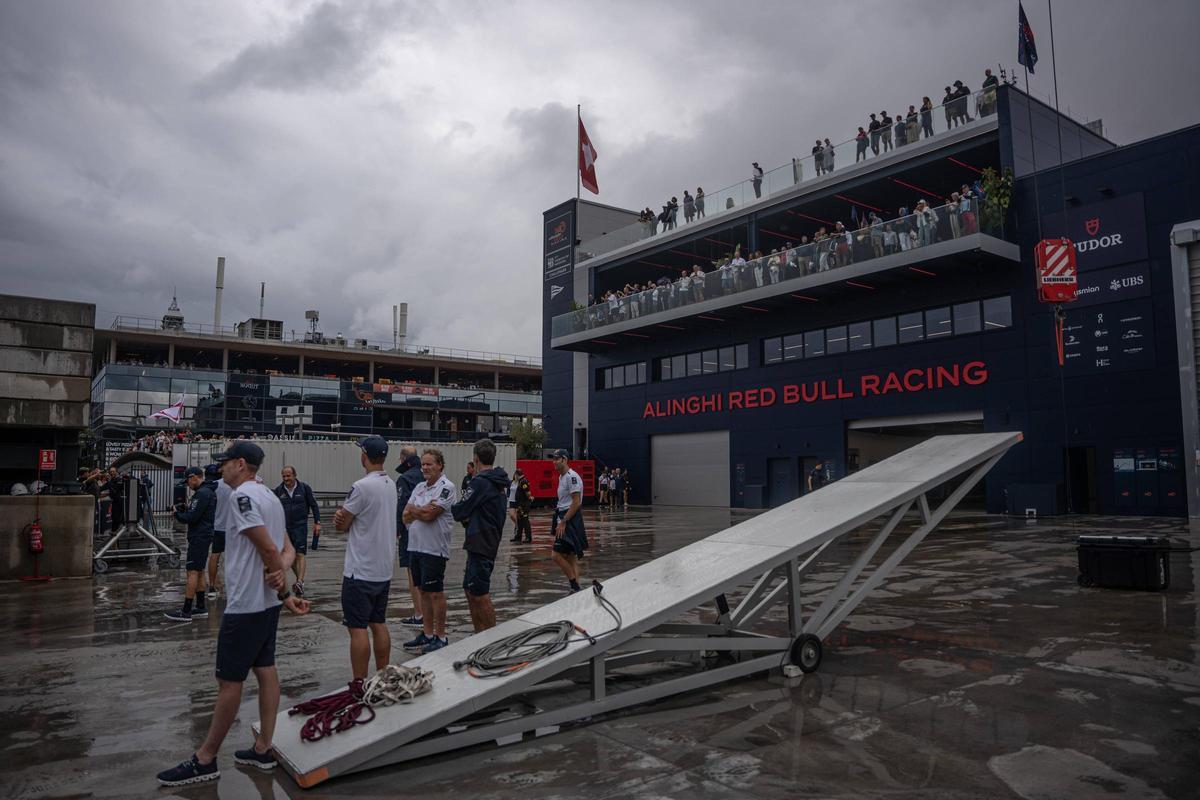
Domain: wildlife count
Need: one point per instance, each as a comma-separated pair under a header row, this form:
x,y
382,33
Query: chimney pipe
x,y
262,298
403,326
220,286
395,326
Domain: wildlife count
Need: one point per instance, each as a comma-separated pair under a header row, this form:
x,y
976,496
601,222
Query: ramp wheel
x,y
1083,580
806,652
100,566
172,560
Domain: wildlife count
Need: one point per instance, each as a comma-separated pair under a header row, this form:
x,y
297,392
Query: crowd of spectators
x,y
882,133
871,236
160,443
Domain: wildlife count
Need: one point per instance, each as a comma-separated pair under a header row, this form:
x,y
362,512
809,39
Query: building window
x,y
997,313
966,318
664,369
705,362
860,336
710,362
793,347
835,339
624,375
679,366
883,332
631,374
772,350
814,344
742,355
911,327
726,357
617,378
694,365
641,372
937,323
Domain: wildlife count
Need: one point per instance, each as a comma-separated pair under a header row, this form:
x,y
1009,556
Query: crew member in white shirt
x,y
429,528
369,517
570,539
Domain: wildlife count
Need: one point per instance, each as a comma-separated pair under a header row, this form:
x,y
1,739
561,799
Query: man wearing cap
x,y
429,528
259,555
224,495
408,476
482,511
297,499
570,540
368,517
198,516
523,500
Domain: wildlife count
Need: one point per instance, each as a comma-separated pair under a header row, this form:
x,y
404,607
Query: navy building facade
x,y
735,395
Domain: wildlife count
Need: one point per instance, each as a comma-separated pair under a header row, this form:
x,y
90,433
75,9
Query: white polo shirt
x,y
568,483
371,543
224,501
246,589
433,538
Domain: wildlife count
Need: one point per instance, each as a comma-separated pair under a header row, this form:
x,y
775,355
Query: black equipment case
x,y
1125,562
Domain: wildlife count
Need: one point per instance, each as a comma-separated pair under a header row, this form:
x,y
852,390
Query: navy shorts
x,y
364,602
246,641
197,551
402,548
218,542
428,571
573,540
299,537
477,577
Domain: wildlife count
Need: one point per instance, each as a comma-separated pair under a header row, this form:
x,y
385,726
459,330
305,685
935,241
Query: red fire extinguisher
x,y
36,545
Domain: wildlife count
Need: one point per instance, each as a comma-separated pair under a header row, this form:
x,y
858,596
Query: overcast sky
x,y
358,154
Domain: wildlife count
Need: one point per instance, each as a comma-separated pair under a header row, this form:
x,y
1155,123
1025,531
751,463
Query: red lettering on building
x,y
693,405
892,384
791,394
909,386
975,373
809,396
735,400
869,385
842,393
767,397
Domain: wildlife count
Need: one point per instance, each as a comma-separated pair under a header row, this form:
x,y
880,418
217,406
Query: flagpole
x,y
578,147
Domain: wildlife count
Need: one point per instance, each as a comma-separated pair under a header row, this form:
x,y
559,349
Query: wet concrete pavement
x,y
980,669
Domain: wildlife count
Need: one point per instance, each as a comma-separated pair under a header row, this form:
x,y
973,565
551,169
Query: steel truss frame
x,y
707,647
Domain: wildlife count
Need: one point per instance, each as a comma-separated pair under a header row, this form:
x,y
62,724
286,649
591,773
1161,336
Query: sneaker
x,y
413,622
417,645
199,611
435,643
211,594
179,616
190,771
252,758
298,588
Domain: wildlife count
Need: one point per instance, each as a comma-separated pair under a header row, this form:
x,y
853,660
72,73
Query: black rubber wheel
x,y
806,652
100,566
1082,580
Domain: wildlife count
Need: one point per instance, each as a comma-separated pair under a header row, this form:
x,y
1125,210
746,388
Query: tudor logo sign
x,y
1092,226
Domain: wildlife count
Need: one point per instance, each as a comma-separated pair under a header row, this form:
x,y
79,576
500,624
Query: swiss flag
x,y
587,161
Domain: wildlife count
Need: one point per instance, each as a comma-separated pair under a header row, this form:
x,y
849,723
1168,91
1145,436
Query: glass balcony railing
x,y
829,250
910,127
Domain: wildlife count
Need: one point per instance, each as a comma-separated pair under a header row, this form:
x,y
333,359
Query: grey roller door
x,y
690,469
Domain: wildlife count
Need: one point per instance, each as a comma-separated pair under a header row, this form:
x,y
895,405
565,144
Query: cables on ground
x,y
356,705
512,653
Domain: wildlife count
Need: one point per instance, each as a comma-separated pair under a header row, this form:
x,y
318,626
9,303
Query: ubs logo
x,y
1092,226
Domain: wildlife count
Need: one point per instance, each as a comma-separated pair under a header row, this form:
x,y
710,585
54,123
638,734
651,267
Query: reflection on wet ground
x,y
979,670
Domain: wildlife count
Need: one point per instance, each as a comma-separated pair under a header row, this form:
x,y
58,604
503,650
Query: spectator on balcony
x,y
963,96
860,145
756,176
953,215
739,265
876,224
774,267
804,259
689,207
726,276
818,154
927,220
841,245
873,129
664,218
829,154
699,203
987,101
926,117
673,208
683,288
903,226
891,242
948,109
757,266
885,130
900,129
821,249
697,282
912,125
967,207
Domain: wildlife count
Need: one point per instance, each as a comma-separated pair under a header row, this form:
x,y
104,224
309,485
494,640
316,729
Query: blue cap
x,y
212,472
190,471
376,448
560,453
241,448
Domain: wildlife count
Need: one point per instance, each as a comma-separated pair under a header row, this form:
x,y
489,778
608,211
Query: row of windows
x,y
994,313
703,362
623,375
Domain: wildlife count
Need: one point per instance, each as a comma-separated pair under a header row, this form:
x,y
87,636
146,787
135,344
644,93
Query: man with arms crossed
x,y
368,516
570,540
259,555
482,511
429,529
297,499
408,476
198,516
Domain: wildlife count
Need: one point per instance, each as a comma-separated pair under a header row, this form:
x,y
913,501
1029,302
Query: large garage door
x,y
690,469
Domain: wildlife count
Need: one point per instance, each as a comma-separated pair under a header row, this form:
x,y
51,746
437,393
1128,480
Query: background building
x,y
732,392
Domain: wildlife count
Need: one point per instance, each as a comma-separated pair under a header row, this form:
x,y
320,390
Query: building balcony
x,y
856,261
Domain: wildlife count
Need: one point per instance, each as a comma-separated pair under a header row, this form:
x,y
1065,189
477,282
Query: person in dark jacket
x,y
198,515
524,502
482,508
297,499
409,476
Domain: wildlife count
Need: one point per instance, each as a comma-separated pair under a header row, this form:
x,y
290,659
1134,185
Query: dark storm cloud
x,y
357,155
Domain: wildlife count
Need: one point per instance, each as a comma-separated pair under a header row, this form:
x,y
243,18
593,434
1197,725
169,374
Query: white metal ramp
x,y
770,553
